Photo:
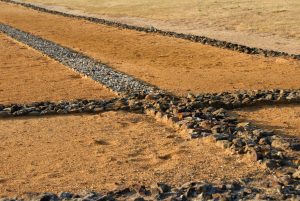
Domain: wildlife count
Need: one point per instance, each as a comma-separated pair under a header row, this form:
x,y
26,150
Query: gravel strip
x,y
70,107
117,81
244,98
190,37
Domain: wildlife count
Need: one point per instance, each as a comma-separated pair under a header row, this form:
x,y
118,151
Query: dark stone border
x,y
190,191
115,80
199,39
70,107
244,98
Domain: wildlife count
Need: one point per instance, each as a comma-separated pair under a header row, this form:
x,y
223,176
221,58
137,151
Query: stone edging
x,y
70,107
273,152
244,98
189,191
199,39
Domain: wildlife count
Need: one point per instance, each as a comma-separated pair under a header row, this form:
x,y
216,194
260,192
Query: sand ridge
x,y
173,64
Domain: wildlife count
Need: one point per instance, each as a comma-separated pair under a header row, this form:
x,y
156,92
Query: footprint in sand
x,y
165,156
101,142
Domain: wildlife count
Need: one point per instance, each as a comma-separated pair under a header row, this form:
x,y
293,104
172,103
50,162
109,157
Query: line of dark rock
x,y
244,98
270,150
190,37
230,191
70,107
117,81
200,120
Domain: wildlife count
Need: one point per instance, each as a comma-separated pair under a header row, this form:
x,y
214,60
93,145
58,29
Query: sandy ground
x,y
101,152
173,64
285,120
28,76
260,23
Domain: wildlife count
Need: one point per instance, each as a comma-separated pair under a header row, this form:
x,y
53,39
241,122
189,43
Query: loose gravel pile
x,y
200,116
194,38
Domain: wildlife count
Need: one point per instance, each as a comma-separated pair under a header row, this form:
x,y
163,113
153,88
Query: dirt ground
x,y
260,23
285,120
173,64
28,76
101,152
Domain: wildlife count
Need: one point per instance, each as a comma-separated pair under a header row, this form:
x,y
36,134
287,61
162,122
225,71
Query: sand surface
x,y
28,76
285,120
101,152
259,23
173,64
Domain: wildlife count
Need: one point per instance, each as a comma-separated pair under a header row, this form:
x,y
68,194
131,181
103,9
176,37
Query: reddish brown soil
x,y
173,64
101,152
28,76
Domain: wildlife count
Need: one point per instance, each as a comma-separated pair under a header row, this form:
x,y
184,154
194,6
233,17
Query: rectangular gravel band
x,y
117,81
